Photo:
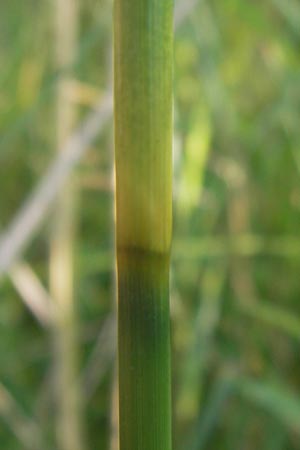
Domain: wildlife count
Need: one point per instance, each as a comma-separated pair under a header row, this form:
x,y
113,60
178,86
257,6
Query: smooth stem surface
x,y
143,144
143,123
144,352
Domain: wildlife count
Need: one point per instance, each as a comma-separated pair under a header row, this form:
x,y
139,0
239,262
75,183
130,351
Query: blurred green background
x,y
235,279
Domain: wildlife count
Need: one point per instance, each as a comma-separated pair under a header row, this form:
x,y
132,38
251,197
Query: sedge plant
x,y
143,44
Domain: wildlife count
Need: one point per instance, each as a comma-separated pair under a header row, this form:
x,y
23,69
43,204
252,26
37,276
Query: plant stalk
x,y
143,48
68,398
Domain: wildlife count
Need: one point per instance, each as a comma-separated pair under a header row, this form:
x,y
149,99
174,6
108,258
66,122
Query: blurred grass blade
x,y
195,158
190,393
274,316
289,9
32,292
208,419
276,399
25,429
69,421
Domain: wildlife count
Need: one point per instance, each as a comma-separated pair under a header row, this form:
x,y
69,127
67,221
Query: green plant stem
x,y
143,123
143,143
144,352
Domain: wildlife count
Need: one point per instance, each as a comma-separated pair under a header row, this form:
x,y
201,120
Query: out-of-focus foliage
x,y
236,254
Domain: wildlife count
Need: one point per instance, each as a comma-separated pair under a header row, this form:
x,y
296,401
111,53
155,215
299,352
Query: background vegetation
x,y
236,252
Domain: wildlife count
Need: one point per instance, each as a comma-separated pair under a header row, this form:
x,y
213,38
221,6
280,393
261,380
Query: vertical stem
x,y
68,418
143,143
144,353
